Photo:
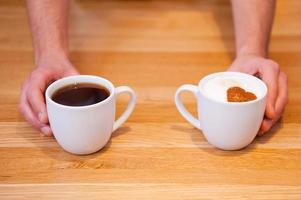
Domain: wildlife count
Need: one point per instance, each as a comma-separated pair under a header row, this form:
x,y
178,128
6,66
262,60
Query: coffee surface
x,y
80,94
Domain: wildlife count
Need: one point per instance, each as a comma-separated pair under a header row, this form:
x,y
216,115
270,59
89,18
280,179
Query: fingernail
x,y
46,131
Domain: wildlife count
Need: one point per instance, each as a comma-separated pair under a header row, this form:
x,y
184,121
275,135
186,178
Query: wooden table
x,y
153,46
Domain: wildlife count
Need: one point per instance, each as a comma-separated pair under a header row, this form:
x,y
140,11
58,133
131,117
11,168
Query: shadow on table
x,y
261,140
200,141
60,154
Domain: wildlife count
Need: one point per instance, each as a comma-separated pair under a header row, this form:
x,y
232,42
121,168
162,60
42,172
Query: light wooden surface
x,y
153,46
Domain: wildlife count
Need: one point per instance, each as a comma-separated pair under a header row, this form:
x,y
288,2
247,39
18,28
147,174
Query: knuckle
x,y
31,100
39,75
276,67
35,76
39,79
273,65
24,84
30,90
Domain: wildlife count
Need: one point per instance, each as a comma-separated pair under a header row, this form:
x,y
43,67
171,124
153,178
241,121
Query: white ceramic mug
x,y
86,129
228,126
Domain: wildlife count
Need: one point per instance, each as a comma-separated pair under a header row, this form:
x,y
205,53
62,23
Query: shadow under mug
x,y
225,125
86,129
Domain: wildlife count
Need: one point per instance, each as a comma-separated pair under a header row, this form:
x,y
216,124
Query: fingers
x,y
46,130
28,113
281,102
266,125
282,98
269,74
26,110
30,117
35,96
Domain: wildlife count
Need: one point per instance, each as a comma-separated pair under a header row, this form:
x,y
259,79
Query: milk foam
x,y
216,88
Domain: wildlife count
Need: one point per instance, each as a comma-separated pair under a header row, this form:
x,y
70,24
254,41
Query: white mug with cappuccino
x,y
228,125
81,112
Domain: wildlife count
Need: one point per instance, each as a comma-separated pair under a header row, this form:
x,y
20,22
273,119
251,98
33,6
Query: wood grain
x,y
153,46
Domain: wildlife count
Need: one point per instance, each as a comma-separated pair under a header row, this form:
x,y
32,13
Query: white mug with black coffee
x,y
231,107
81,112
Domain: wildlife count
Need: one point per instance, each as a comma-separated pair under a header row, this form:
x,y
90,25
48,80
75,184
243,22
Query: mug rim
x,y
233,103
55,83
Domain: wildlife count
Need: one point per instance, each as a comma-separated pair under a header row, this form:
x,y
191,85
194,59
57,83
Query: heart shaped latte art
x,y
238,94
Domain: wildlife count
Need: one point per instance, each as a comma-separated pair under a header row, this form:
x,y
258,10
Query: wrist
x,y
50,48
52,55
54,61
249,50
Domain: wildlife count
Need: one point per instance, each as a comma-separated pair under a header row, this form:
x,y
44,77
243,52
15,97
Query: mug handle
x,y
190,88
130,107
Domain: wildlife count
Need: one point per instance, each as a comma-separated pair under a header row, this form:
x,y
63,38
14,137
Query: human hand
x,y
32,101
276,81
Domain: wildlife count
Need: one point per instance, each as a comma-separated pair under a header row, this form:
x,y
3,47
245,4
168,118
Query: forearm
x,y
48,23
253,21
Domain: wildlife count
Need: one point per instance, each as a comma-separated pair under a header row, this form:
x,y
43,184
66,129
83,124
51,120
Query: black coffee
x,y
80,94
